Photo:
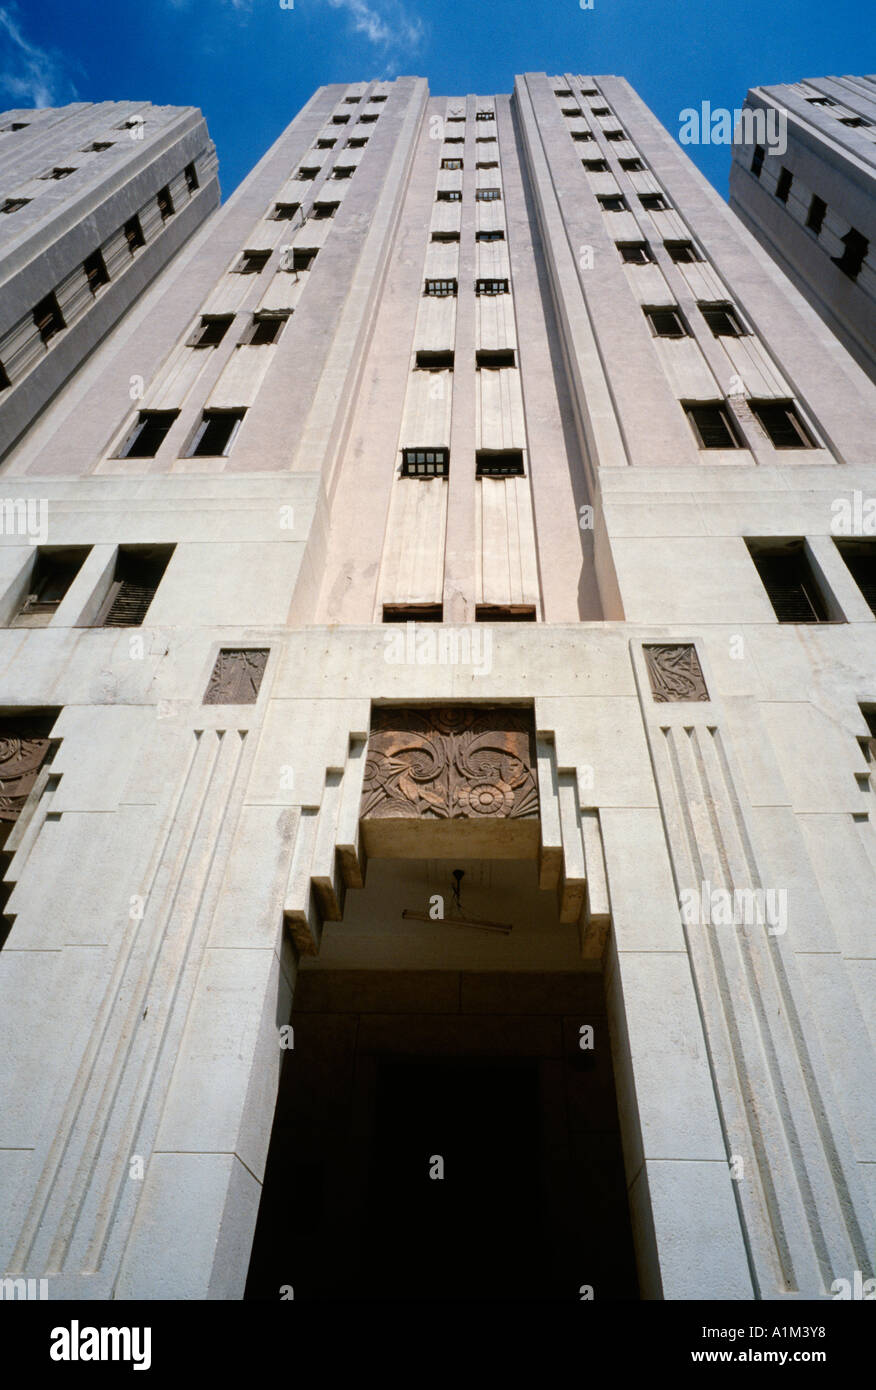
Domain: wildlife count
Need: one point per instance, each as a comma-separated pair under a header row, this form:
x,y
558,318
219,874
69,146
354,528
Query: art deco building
x,y
95,200
811,206
440,839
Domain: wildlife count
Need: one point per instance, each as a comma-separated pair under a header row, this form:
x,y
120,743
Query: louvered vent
x,y
129,607
137,575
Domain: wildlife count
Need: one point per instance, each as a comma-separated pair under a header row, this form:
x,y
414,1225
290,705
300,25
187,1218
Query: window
x,y
435,361
377,98
635,252
612,202
581,135
491,286
815,215
48,318
216,433
352,101
440,288
782,423
495,357
284,212
787,576
148,434
53,573
134,234
456,119
343,171
712,425
448,195
97,145
326,144
497,234
357,142
191,176
165,203
562,92
14,204
5,383
499,463
96,272
860,557
589,92
138,573
454,139
666,323
340,120
367,119
485,116
632,166
310,172
131,123
820,101
757,160
211,330
252,262
485,139
445,236
487,164
425,463
504,613
723,320
681,252
653,202
451,164
573,111
413,612
783,187
321,211
852,259
303,257
614,135
17,125
854,122
595,166
58,173
264,330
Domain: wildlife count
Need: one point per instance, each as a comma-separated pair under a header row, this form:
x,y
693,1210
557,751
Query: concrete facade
x,y
181,861
804,222
73,181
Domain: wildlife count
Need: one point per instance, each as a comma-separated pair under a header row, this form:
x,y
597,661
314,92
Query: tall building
x,y
810,201
95,200
439,823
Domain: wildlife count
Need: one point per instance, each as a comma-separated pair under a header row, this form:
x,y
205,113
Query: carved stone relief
x,y
237,676
22,753
675,673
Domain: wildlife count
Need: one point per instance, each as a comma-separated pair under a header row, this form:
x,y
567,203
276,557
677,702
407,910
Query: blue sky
x,y
251,64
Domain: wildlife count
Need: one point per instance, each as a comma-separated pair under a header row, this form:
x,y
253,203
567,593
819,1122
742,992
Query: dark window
x,y
303,257
48,318
61,172
216,433
852,259
635,252
500,463
367,119
723,320
815,215
787,576
343,171
265,329
134,234
562,92
497,234
252,262
435,361
504,613
632,166
137,575
491,286
308,173
340,120
454,139
284,212
856,122
14,204
600,110
612,202
495,357
666,323
165,203
456,118
211,330
488,195
5,383
96,272
681,252
484,116
757,160
440,288
425,463
53,573
595,166
860,556
191,175
782,423
352,101
653,202
445,236
783,187
413,612
485,140
820,101
589,92
327,144
377,98
451,164
448,195
614,135
573,111
357,142
487,164
581,135
17,125
148,434
712,425
321,211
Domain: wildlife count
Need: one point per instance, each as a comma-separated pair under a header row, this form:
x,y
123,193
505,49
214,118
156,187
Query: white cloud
x,y
36,77
385,23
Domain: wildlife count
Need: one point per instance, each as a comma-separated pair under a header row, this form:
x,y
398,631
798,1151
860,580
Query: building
x,y
811,203
439,822
95,200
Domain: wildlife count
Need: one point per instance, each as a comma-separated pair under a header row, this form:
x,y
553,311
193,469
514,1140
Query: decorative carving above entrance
x,y
675,673
23,750
451,777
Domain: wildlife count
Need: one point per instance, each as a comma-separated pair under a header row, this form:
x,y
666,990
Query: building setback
x,y
95,200
811,206
443,744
